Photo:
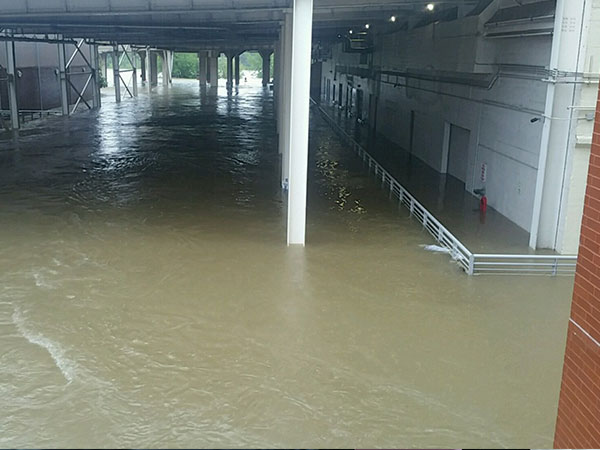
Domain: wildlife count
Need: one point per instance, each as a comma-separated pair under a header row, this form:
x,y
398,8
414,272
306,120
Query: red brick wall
x,y
578,422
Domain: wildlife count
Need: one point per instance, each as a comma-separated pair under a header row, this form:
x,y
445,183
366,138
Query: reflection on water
x,y
147,297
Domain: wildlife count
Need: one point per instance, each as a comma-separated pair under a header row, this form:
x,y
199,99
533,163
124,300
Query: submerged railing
x,y
471,263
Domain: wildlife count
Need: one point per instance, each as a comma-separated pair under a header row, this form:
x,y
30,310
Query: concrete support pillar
x,y
104,57
11,71
165,67
229,83
134,80
300,94
94,60
64,88
237,70
202,68
266,67
550,207
213,69
153,68
276,83
143,65
286,82
117,76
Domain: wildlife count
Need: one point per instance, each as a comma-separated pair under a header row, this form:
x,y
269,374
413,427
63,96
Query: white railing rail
x,y
531,264
471,263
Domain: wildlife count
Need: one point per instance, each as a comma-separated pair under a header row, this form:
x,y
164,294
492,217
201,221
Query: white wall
x,y
502,134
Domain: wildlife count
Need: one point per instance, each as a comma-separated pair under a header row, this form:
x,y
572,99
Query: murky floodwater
x,y
147,298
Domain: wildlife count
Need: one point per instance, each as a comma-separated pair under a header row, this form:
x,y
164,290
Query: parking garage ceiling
x,y
200,24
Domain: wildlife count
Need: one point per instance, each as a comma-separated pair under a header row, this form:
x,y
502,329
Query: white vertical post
x,y
116,75
300,103
12,85
62,68
284,142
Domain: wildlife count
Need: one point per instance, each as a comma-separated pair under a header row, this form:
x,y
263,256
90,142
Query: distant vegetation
x,y
185,65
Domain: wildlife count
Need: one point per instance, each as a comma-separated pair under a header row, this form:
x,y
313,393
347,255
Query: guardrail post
x,y
471,270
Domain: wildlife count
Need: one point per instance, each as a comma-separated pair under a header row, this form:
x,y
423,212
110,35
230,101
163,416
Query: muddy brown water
x,y
147,297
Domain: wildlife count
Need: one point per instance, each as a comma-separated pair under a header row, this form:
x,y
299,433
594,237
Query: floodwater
x,y
147,297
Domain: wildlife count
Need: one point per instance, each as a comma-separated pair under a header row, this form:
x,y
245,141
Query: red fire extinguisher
x,y
483,204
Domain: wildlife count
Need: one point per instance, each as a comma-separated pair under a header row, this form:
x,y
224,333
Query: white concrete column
x,y
300,94
202,68
558,134
64,88
284,136
11,72
117,76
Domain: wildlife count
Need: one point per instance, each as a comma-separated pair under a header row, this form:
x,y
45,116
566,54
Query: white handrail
x,y
471,263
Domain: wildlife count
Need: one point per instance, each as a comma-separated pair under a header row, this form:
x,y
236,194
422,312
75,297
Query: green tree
x,y
185,65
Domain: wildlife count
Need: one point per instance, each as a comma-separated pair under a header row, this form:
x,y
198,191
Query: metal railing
x,y
530,264
471,263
